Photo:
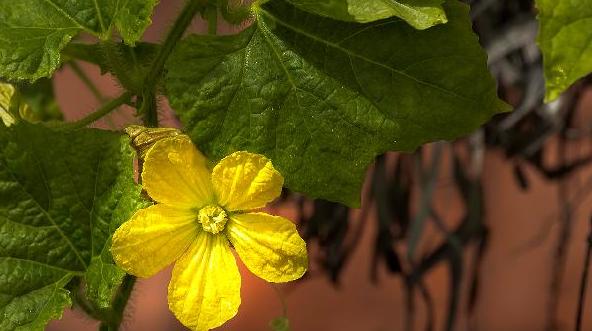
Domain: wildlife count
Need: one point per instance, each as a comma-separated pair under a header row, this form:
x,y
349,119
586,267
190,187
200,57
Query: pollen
x,y
212,218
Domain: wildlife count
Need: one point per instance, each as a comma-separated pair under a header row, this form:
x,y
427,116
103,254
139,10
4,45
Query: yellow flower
x,y
197,216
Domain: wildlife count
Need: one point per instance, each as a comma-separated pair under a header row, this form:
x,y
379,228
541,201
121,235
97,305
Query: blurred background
x,y
488,233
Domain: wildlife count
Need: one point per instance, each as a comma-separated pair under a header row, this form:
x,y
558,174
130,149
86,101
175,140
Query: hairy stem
x,y
113,323
147,107
104,110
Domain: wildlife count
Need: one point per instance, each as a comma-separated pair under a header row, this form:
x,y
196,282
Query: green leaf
x,y
103,279
321,98
33,32
565,38
62,195
421,14
41,302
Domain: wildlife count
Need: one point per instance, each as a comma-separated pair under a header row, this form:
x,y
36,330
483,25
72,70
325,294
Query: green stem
x,y
87,81
119,303
212,17
91,87
282,300
104,110
183,21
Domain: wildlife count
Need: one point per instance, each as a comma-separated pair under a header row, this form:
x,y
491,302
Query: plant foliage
x,y
319,87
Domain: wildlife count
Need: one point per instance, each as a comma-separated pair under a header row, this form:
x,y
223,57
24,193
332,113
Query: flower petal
x,y
175,173
205,288
245,181
270,246
152,239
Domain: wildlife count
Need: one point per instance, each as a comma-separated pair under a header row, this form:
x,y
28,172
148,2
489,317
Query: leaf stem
x,y
212,17
102,111
282,300
152,78
119,304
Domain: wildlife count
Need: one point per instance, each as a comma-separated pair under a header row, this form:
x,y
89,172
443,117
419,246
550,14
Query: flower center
x,y
212,218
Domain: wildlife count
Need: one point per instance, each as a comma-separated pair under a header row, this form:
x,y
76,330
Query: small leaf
x,y
321,98
63,194
421,14
33,32
565,38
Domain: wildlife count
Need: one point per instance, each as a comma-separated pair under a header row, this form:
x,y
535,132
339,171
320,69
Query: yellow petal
x,y
152,239
270,246
245,181
205,288
175,173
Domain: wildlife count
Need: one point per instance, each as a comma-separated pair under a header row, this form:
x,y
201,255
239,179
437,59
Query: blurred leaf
x,y
63,194
329,224
565,38
321,98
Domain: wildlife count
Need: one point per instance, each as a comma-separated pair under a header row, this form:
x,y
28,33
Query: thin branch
x,y
87,81
281,298
101,112
119,303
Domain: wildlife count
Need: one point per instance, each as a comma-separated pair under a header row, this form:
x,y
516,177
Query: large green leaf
x,y
565,38
421,14
322,98
33,32
62,195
